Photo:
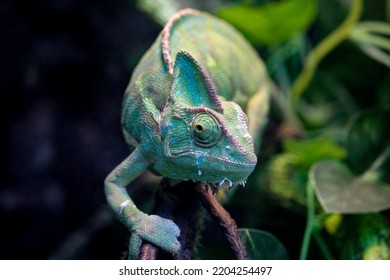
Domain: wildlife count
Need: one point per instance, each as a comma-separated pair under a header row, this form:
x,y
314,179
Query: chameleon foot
x,y
156,230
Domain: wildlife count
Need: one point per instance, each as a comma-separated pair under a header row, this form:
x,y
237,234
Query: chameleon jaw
x,y
224,184
227,183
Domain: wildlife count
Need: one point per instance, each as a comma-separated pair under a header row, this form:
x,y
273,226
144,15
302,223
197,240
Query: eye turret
x,y
205,130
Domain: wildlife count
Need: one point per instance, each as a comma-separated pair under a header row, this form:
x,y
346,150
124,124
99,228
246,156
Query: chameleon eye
x,y
205,130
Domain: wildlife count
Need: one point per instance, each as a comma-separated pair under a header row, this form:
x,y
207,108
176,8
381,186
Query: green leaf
x,y
376,54
288,171
371,38
340,192
368,135
286,183
271,23
365,236
310,151
262,245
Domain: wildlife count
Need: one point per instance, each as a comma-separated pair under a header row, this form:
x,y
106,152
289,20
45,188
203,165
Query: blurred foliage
x,y
368,136
288,170
329,61
262,245
341,192
271,23
369,239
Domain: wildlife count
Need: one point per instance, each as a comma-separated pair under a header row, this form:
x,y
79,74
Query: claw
x,y
230,183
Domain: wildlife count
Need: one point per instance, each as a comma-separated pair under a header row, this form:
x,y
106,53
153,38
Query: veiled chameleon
x,y
183,117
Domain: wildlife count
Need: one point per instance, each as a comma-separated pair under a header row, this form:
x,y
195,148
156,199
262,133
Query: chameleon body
x,y
183,117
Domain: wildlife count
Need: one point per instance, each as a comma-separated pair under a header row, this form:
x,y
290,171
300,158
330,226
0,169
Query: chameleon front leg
x,y
257,111
154,229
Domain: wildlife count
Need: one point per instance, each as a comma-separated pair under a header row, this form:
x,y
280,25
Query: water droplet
x,y
228,149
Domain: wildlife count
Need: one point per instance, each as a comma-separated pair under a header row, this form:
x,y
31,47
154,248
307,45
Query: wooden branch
x,y
148,252
180,203
225,221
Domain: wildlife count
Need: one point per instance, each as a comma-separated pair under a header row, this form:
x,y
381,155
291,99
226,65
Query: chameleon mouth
x,y
218,173
189,152
224,184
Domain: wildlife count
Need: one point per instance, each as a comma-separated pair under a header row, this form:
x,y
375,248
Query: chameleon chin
x,y
184,117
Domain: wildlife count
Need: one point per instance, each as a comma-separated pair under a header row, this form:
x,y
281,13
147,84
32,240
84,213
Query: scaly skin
x,y
183,118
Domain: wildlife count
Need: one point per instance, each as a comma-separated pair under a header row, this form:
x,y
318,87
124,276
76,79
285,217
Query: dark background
x,y
64,67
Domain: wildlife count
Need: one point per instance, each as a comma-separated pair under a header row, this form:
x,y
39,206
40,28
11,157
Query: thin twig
x,y
178,203
323,48
148,252
310,224
224,220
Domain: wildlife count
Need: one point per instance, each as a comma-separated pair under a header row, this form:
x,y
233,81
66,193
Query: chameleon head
x,y
203,138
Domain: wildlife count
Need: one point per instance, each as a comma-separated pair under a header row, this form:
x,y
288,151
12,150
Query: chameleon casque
x,y
183,117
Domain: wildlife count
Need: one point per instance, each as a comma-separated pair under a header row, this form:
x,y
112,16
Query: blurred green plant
x,y
368,145
346,180
270,23
288,170
330,84
323,48
369,239
261,245
371,38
